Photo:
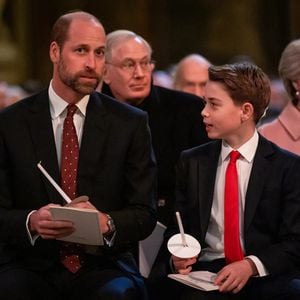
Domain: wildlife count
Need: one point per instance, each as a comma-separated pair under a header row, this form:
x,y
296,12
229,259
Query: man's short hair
x,y
60,29
119,36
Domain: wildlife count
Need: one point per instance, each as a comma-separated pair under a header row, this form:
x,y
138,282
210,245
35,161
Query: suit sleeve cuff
x,y
32,238
261,269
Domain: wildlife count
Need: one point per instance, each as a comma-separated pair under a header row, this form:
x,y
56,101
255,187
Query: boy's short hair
x,y
244,82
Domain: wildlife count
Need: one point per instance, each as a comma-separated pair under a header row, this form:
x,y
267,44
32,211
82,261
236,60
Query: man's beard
x,y
73,80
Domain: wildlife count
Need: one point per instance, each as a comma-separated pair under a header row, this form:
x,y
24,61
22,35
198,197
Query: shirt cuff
x,y
261,269
32,238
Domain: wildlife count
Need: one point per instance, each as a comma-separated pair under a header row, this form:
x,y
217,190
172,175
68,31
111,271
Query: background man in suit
x,y
116,170
191,74
268,231
174,117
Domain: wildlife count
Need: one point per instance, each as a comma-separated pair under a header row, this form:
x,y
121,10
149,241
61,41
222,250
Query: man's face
x,y
79,63
128,73
193,78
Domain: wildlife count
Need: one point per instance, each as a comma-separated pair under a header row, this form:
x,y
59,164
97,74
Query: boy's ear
x,y
296,85
247,111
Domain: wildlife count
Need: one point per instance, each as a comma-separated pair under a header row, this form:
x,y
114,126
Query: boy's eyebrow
x,y
213,99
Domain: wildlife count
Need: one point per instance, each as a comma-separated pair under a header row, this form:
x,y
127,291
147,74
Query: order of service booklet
x,y
201,280
86,223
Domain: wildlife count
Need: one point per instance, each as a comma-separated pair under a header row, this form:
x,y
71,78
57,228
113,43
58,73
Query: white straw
x,y
57,187
183,240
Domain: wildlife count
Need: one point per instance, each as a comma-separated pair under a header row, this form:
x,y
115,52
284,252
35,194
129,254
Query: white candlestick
x,y
183,240
56,186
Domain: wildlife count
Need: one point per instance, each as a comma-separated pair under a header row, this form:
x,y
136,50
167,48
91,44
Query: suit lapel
x,y
96,127
258,176
41,130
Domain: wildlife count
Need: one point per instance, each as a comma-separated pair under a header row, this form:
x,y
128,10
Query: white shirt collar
x,y
247,150
58,104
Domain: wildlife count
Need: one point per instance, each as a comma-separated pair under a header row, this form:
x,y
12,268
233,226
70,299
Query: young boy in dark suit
x,y
254,245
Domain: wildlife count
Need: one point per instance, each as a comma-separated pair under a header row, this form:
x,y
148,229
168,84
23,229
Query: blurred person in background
x,y
279,99
191,74
10,94
285,129
162,78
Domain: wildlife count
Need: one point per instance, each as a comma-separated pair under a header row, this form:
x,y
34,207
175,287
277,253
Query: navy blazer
x,y
272,204
116,170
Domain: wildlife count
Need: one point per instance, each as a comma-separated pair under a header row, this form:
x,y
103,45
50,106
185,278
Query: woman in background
x,y
285,129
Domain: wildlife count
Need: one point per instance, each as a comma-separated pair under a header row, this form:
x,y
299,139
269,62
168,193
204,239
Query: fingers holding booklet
x,y
86,223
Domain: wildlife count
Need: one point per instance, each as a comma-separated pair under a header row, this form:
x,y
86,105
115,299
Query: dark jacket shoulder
x,y
176,98
112,105
205,150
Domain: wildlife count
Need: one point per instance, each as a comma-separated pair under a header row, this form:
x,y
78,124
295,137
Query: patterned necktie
x,y
71,254
69,154
232,245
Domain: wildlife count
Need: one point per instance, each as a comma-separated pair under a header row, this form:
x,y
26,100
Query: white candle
x,y
183,240
57,187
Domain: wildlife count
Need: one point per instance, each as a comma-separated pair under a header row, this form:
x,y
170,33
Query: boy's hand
x,y
233,277
183,265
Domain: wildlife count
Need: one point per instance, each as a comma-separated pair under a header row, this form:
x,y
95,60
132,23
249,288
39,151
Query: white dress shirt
x,y
58,111
215,233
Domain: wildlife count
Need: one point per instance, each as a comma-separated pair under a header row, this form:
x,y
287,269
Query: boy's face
x,y
221,116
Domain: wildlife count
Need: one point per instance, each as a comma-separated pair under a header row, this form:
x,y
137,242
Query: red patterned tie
x,y
232,245
69,154
71,254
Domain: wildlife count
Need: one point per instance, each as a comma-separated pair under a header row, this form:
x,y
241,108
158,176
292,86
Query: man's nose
x,y
139,71
91,61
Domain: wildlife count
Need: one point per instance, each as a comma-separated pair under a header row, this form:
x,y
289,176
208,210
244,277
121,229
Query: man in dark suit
x,y
116,170
268,196
174,117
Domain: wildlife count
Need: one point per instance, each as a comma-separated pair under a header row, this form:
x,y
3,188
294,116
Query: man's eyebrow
x,y
130,58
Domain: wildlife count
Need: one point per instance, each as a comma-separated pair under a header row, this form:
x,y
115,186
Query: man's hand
x,y
233,277
87,204
183,265
42,224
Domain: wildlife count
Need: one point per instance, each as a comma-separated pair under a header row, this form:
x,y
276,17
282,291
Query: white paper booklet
x,y
201,280
86,222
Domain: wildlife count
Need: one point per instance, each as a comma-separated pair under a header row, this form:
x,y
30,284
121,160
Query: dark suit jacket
x,y
116,170
272,208
176,124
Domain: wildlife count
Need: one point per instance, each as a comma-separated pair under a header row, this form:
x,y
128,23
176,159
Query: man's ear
x,y
247,111
106,77
54,52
